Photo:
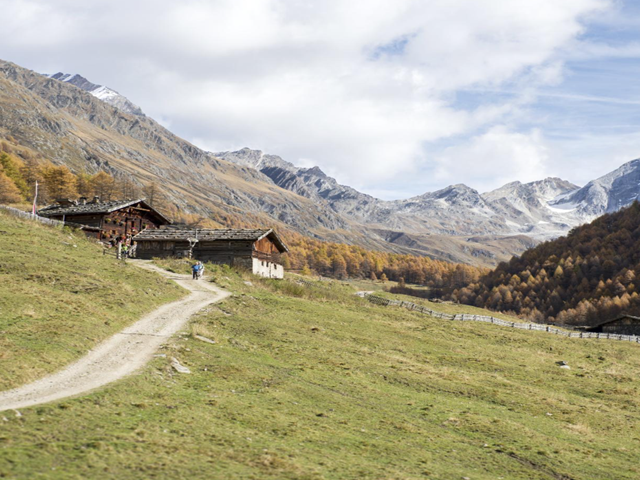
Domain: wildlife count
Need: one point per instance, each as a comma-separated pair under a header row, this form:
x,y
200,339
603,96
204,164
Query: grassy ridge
x,y
313,382
59,296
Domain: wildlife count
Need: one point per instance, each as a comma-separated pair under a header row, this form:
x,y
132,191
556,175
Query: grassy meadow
x,y
59,296
450,307
312,382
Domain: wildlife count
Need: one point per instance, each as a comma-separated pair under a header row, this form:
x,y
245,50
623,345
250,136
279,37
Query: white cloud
x,y
303,80
494,158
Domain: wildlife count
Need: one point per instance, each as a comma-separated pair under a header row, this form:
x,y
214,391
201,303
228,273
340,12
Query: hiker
x,y
125,250
196,268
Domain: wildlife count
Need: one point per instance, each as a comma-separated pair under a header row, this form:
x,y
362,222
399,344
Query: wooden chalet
x,y
257,250
107,220
622,325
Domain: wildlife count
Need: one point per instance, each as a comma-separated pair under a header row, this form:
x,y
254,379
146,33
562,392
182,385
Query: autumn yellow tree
x,y
104,186
85,186
59,183
11,167
9,193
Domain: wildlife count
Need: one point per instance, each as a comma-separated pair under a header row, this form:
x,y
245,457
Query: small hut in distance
x,y
623,325
258,250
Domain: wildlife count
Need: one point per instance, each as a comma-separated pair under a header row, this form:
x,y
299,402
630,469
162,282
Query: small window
x,y
263,264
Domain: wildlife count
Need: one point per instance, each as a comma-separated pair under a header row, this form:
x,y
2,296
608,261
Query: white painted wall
x,y
267,269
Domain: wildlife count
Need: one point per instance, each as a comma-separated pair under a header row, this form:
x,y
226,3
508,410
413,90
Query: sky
x,y
393,97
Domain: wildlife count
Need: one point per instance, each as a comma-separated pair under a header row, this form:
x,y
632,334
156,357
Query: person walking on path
x,y
197,270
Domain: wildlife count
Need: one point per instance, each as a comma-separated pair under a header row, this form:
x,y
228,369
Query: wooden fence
x,y
28,216
46,221
464,317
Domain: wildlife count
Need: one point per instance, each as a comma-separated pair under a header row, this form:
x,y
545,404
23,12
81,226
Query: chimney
x,y
96,199
82,201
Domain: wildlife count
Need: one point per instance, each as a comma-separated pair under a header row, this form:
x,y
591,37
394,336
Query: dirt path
x,y
121,354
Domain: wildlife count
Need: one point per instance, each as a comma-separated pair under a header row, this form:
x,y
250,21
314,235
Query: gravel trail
x,y
123,353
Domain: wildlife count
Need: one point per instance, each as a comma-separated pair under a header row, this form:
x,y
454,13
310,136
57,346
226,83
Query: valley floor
x,y
311,382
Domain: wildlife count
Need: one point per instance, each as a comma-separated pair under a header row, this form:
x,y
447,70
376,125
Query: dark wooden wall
x,y
623,326
230,252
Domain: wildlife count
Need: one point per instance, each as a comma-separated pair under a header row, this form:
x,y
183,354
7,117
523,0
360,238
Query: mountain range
x,y
542,209
72,121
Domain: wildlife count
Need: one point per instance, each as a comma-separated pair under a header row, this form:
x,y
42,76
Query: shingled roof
x,y
99,207
176,234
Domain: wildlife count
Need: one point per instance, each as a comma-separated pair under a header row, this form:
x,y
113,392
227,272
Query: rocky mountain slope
x,y
456,210
105,94
606,194
526,207
541,210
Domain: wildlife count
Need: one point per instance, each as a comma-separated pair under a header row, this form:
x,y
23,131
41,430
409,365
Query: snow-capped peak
x,y
105,94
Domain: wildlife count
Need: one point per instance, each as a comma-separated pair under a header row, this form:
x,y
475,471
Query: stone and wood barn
x,y
622,325
107,220
257,250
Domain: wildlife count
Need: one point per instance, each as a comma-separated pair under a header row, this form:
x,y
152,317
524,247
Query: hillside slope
x,y
590,276
311,382
60,296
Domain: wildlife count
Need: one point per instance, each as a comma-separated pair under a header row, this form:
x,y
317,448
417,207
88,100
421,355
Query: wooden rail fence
x,y
464,317
46,221
28,216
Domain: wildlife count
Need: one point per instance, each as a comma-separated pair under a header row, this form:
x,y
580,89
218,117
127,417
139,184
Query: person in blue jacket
x,y
198,270
195,269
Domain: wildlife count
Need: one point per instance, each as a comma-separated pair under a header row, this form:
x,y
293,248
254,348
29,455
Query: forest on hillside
x,y
20,168
590,276
338,260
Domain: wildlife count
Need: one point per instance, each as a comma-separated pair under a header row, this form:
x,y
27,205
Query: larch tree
x,y
9,192
59,183
85,186
11,167
104,186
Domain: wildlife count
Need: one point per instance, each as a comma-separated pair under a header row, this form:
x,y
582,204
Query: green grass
x,y
314,383
450,307
59,297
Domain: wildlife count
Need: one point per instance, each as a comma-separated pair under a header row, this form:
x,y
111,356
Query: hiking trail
x,y
123,353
